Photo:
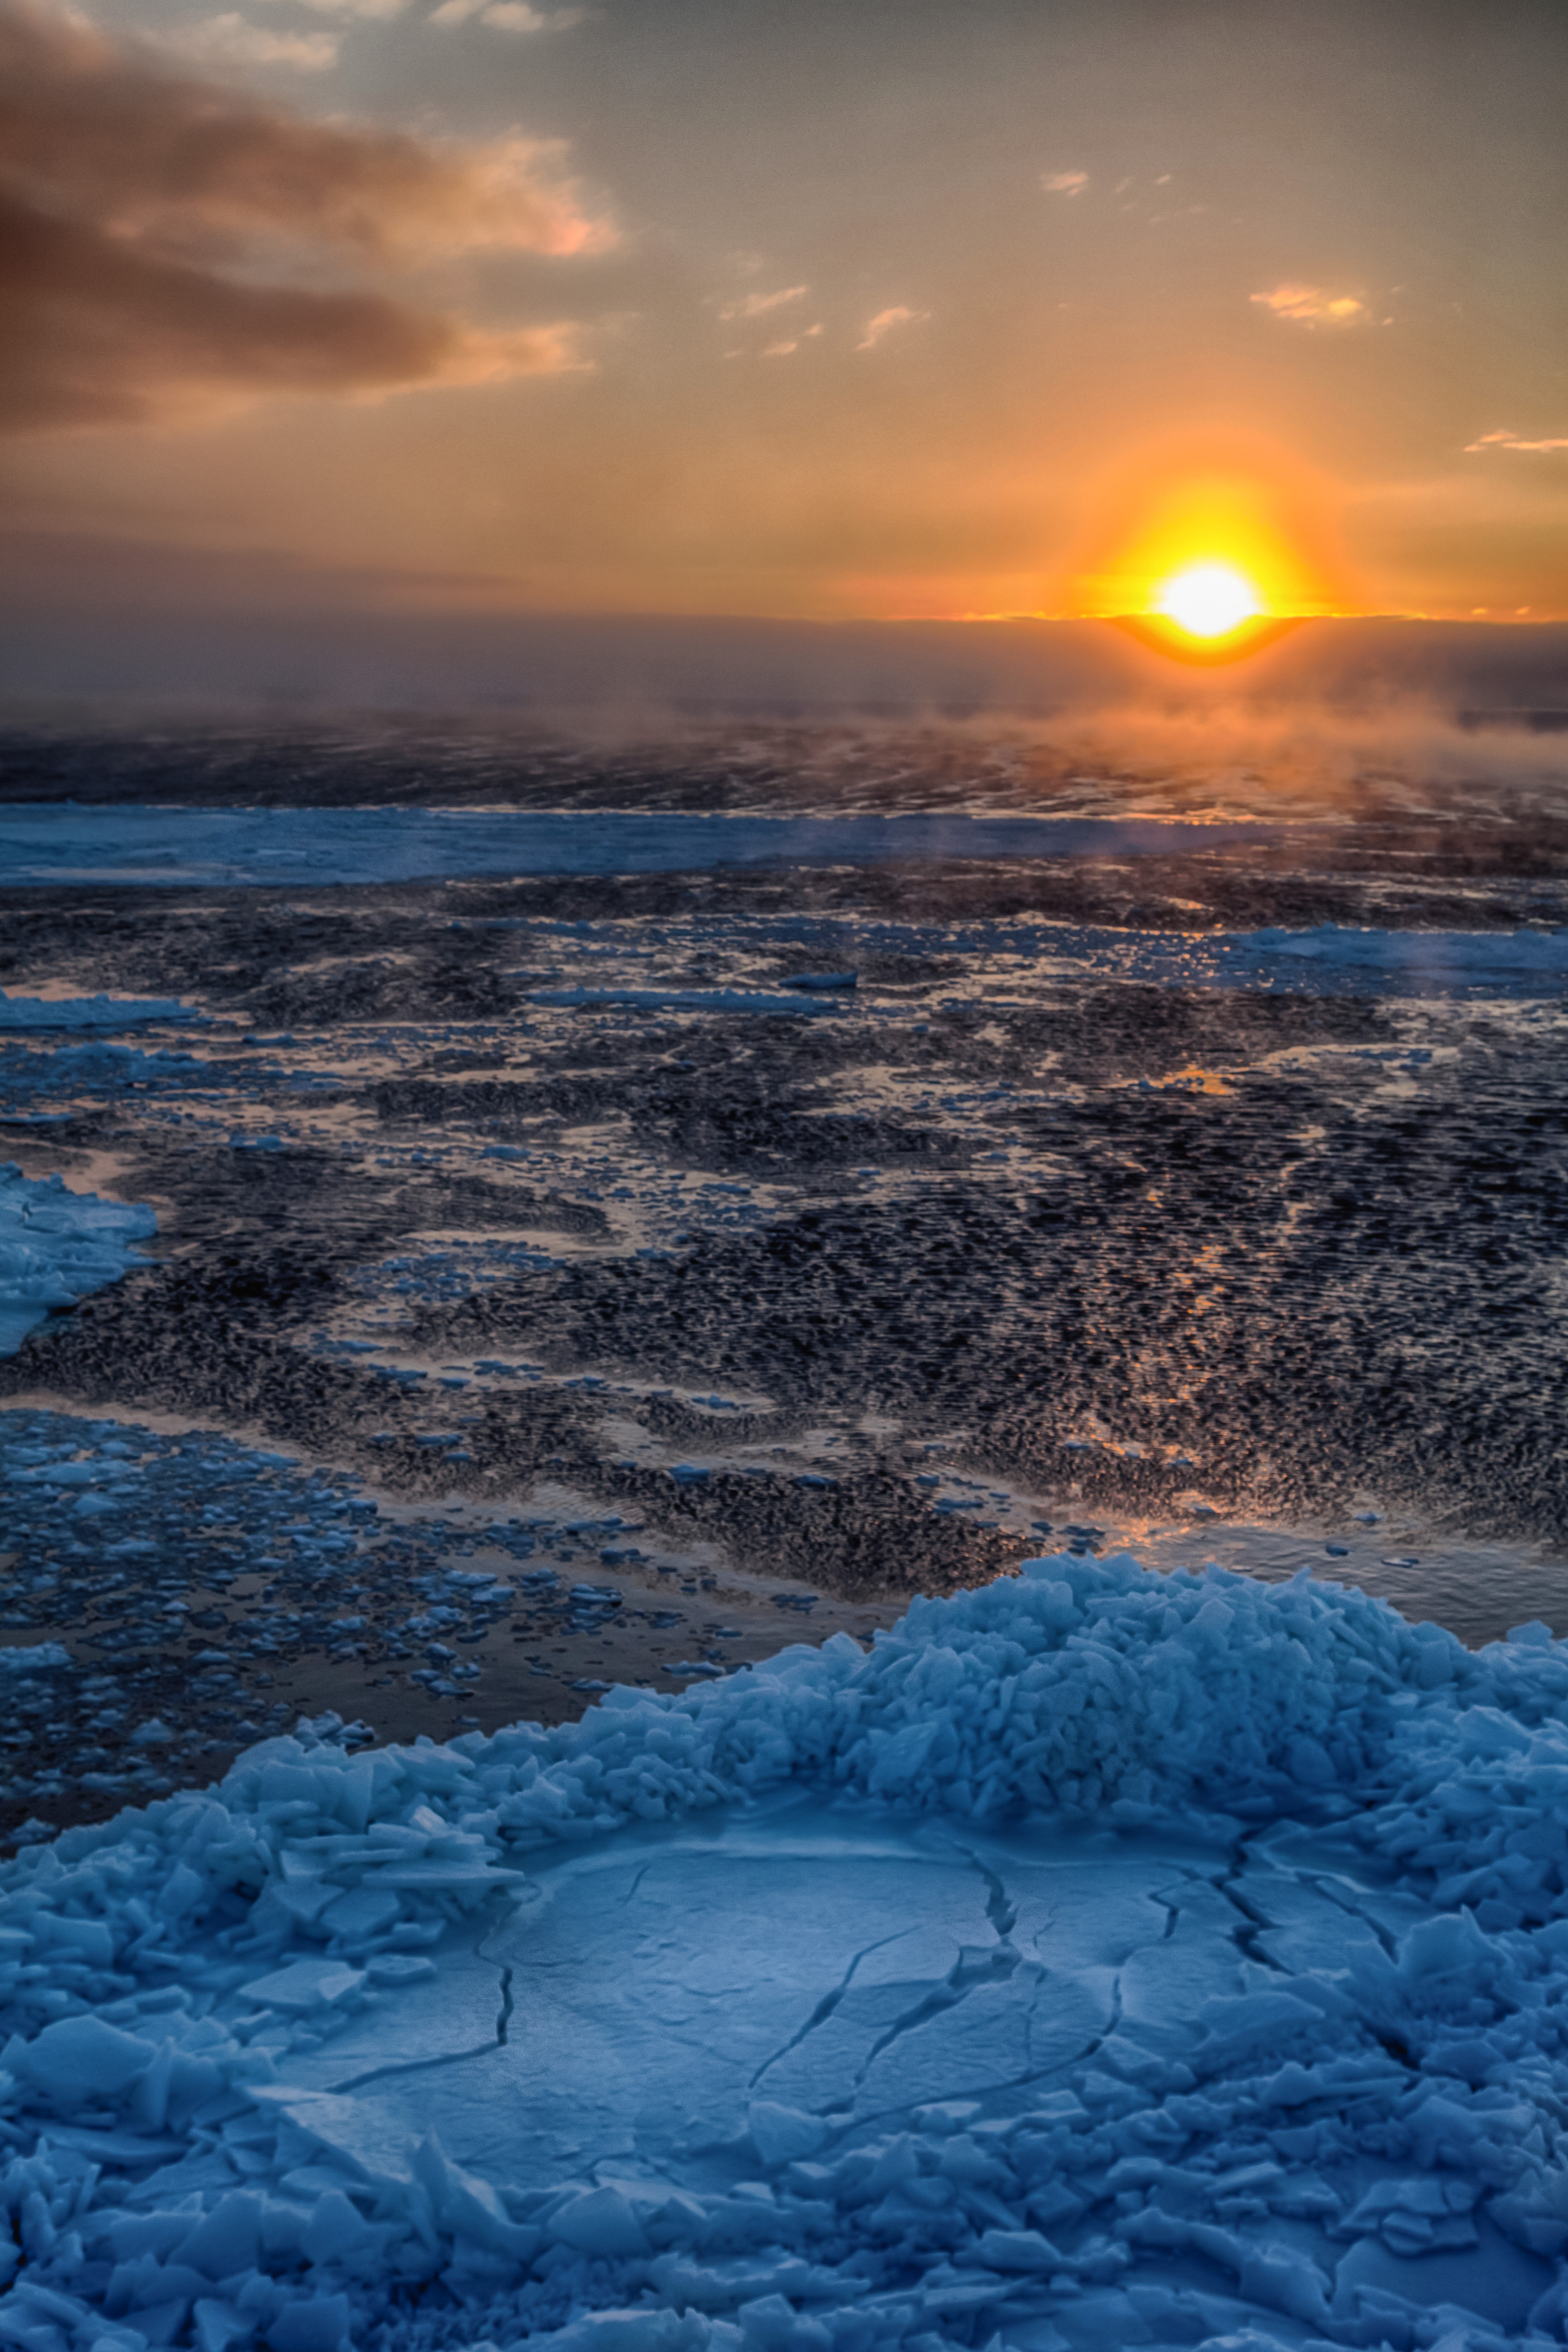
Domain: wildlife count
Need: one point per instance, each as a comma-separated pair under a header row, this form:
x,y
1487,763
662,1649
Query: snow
x,y
1105,1958
56,1247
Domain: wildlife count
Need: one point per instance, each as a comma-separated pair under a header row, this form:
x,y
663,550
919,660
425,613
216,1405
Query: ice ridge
x,y
1105,1958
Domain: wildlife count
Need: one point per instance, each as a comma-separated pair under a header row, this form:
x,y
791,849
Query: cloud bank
x,y
163,241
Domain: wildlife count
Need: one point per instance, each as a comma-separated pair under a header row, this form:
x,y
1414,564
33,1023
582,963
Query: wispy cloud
x,y
1065,183
1512,441
884,323
782,351
757,306
377,11
231,40
1314,306
504,15
143,212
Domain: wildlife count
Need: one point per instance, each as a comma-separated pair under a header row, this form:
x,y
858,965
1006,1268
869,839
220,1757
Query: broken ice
x,y
1106,1958
57,1245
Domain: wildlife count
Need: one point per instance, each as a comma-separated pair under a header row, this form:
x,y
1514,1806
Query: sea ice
x,y
90,1012
1106,1958
56,1247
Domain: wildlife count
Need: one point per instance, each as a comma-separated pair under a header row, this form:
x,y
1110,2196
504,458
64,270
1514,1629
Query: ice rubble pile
x,y
1402,2092
57,1245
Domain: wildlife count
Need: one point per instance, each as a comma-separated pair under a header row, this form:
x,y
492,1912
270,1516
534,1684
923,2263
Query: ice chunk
x,y
32,1658
77,2058
321,2323
599,2222
782,2134
305,1985
363,1911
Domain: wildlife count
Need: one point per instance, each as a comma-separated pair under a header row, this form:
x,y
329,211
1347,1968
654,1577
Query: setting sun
x,y
1208,600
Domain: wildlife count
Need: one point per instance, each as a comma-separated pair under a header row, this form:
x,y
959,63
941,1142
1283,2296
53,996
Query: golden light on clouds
x,y
1314,306
660,311
171,249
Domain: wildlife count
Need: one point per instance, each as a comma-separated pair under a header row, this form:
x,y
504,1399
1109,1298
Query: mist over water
x,y
1224,760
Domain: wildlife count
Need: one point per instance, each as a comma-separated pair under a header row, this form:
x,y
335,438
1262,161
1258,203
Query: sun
x,y
1207,600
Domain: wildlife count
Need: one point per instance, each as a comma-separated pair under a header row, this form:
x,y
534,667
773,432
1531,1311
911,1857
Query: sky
x,y
819,310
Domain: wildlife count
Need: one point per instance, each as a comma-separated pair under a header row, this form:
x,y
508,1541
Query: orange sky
x,y
932,308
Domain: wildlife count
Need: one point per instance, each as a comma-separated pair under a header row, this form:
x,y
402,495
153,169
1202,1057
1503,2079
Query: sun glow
x,y
1209,561
1208,600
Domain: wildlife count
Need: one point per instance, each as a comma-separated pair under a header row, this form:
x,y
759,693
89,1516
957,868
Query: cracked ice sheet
x,y
851,1964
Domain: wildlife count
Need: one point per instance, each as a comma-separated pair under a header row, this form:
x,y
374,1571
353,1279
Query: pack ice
x,y
1106,1958
57,1245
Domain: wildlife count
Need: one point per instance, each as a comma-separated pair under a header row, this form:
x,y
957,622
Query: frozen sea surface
x,y
1104,1959
50,843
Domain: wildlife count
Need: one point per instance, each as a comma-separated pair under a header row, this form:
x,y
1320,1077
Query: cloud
x,y
1065,183
1511,441
1314,306
506,16
377,11
168,245
885,321
90,133
757,306
230,40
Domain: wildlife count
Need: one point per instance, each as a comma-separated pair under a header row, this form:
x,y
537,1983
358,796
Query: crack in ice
x,y
826,2005
1325,1886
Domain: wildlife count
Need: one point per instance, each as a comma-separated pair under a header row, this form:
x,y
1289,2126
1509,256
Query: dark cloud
x,y
154,229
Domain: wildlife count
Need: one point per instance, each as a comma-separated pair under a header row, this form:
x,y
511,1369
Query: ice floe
x,y
90,1012
1103,1960
57,1245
